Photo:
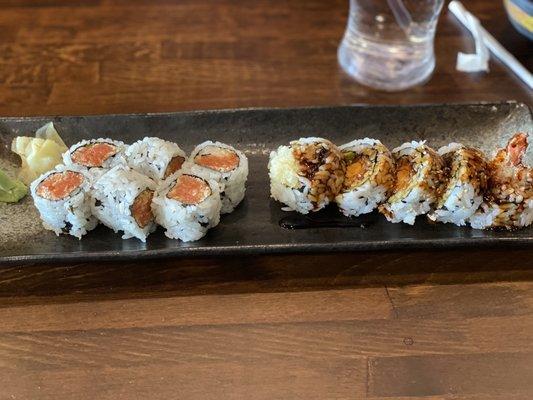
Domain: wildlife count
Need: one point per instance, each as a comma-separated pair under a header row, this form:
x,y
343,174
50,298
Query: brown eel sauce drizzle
x,y
327,218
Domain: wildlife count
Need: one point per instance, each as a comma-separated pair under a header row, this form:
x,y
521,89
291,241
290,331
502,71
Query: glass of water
x,y
388,44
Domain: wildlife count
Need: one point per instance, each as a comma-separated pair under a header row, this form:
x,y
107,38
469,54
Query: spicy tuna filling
x,y
94,155
174,165
141,209
189,189
59,185
217,158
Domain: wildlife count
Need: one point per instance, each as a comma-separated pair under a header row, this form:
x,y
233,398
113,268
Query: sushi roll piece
x,y
306,175
63,199
122,200
467,182
187,205
508,201
225,165
419,180
154,157
95,155
369,176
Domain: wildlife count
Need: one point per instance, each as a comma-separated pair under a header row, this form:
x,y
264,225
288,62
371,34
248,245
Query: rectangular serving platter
x,y
254,227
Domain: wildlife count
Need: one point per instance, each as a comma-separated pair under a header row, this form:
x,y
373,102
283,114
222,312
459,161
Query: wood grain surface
x,y
390,325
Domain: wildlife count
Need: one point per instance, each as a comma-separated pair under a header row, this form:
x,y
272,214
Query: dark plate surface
x,y
254,227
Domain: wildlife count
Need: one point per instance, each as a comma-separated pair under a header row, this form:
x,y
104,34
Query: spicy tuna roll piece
x,y
154,157
122,201
187,205
306,175
95,155
508,200
419,179
467,176
62,197
369,176
225,165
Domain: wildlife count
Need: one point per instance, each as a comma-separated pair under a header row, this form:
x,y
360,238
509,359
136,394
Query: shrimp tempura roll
x,y
467,182
306,175
419,179
509,198
369,176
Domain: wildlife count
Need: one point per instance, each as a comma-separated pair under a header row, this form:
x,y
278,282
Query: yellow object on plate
x,y
38,154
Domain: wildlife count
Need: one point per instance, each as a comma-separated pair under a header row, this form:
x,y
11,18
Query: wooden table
x,y
394,325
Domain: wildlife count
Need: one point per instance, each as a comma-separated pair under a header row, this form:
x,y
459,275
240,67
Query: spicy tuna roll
x,y
306,175
187,205
508,201
369,176
419,179
62,197
466,183
155,157
225,165
95,155
122,201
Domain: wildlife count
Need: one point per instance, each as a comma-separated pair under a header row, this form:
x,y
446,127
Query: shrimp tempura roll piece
x,y
467,181
369,176
306,175
509,198
418,182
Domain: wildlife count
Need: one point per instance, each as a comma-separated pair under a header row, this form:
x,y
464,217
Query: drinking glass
x,y
388,44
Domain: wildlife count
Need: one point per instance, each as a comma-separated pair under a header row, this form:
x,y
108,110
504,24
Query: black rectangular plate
x,y
254,227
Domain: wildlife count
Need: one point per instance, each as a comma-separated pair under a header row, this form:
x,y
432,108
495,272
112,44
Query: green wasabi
x,y
11,190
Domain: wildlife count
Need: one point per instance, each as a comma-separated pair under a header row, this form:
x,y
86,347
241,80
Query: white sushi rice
x,y
492,215
186,222
417,202
485,216
363,200
114,193
232,184
460,204
117,159
460,199
151,156
366,197
419,196
286,186
70,216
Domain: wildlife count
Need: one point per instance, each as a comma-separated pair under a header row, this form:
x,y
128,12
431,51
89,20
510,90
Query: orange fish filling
x,y
217,158
356,171
141,209
189,189
404,173
59,185
174,165
94,155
